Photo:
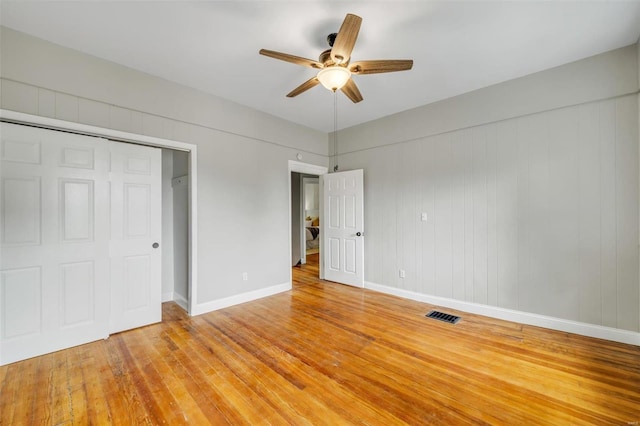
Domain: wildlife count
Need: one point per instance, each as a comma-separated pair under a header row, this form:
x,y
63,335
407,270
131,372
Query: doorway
x,y
305,217
311,214
175,227
298,172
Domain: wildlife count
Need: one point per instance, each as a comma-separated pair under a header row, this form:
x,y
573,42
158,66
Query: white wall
x,y
296,191
180,228
167,226
242,153
531,191
599,77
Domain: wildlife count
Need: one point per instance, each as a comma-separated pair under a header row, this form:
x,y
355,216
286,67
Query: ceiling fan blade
x,y
312,82
351,90
291,58
380,66
346,39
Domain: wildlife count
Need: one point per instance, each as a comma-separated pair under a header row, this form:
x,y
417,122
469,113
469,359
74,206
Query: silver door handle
x,y
359,234
155,245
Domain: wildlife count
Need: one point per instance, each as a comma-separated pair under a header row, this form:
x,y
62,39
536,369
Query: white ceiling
x,y
213,46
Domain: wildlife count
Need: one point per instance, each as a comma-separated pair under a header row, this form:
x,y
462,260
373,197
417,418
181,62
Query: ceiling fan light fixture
x,y
333,64
334,77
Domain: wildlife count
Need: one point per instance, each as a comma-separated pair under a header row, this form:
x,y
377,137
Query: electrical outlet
x,y
423,217
401,273
245,276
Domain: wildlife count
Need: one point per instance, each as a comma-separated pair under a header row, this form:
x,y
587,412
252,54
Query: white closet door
x,y
78,219
54,259
136,213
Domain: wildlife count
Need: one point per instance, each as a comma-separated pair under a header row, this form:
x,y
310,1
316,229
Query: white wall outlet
x,y
423,217
245,276
401,272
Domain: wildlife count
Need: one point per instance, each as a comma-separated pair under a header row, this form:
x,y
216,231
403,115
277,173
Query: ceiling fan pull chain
x,y
335,131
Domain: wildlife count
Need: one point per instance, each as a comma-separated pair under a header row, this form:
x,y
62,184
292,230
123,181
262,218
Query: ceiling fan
x,y
334,63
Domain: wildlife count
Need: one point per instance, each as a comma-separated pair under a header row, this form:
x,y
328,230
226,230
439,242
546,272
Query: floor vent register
x,y
441,316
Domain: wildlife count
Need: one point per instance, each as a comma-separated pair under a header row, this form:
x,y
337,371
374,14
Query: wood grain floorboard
x,y
327,354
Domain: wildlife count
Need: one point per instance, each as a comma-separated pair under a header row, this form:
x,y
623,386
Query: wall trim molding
x,y
214,305
608,75
172,296
307,168
558,324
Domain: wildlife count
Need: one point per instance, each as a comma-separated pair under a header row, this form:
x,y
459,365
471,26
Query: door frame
x,y
310,169
126,137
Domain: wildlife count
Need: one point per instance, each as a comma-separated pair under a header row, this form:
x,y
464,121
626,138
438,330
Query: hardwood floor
x,y
328,354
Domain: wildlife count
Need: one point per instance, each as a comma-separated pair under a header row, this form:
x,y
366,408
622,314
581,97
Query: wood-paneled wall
x,y
537,213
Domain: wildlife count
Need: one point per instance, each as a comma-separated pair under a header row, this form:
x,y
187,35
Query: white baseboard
x,y
181,301
237,299
175,297
590,330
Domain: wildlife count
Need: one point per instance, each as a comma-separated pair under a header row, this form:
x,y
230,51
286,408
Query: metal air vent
x,y
441,316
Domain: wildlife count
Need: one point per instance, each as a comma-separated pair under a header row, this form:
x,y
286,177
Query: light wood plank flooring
x,y
328,354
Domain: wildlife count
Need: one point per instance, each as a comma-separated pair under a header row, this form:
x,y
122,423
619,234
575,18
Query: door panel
x,y
136,271
77,290
21,296
350,213
54,264
76,203
334,255
350,256
21,211
334,211
137,210
138,164
344,218
20,149
136,204
77,157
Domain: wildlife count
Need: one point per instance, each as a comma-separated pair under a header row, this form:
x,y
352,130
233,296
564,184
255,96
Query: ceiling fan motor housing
x,y
331,38
325,58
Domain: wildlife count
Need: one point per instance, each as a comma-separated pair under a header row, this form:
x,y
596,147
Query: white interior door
x,y
54,263
343,227
136,228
